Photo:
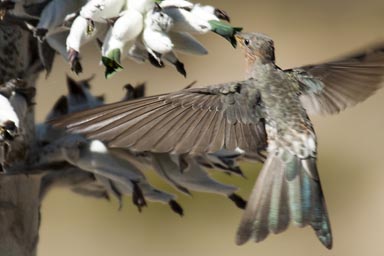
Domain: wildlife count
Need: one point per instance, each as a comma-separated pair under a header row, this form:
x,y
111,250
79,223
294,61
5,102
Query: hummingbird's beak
x,y
239,38
223,15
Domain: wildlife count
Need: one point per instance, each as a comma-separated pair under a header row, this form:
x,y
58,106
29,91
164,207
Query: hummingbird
x,y
264,117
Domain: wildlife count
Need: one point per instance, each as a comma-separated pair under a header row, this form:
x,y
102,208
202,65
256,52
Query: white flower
x,y
7,113
142,6
176,3
155,36
12,116
126,29
79,36
102,10
140,29
194,19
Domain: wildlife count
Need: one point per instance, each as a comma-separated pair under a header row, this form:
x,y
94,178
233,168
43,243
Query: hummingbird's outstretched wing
x,y
195,120
331,87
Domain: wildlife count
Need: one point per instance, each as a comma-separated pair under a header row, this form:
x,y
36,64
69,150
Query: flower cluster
x,y
143,30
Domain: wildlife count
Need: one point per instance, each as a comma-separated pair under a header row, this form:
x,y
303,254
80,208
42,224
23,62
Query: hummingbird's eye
x,y
246,42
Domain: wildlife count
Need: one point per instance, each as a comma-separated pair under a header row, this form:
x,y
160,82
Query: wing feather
x,y
207,133
194,120
218,138
336,85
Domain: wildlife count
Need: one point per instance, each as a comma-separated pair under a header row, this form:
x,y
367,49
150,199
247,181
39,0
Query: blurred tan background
x,y
351,156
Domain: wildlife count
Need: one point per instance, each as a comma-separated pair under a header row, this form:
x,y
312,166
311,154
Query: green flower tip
x,y
111,66
225,30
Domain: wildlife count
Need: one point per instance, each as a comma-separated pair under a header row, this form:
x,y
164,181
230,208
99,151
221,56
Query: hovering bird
x,y
267,112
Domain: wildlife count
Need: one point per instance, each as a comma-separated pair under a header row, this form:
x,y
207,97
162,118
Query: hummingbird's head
x,y
256,46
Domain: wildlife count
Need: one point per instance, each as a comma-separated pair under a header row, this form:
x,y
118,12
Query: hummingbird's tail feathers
x,y
287,189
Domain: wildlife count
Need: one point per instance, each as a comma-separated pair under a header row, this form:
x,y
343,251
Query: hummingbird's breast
x,y
287,123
